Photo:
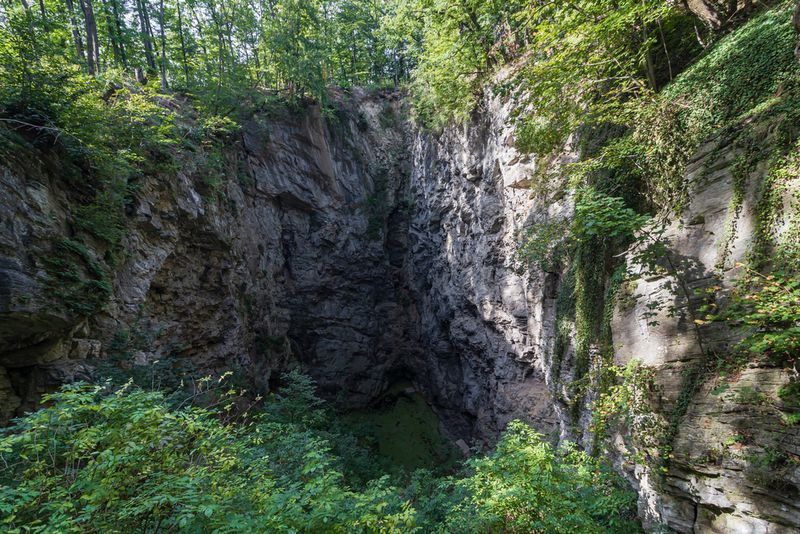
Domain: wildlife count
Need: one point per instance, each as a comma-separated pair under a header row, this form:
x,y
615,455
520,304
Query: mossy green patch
x,y
405,431
75,278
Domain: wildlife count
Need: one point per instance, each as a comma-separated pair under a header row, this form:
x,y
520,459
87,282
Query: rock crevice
x,y
374,254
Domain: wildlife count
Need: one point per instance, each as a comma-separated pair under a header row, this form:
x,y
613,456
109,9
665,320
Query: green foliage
x,y
80,80
111,459
597,214
217,51
738,87
457,47
540,244
587,59
104,134
527,486
297,402
75,277
790,393
403,432
768,307
573,62
126,460
104,216
742,75
600,225
626,402
771,468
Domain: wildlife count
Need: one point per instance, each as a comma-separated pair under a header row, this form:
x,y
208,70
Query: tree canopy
x,y
207,47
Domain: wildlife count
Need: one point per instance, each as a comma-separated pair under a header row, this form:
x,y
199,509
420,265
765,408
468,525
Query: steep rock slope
x,y
295,255
733,455
376,255
490,330
487,327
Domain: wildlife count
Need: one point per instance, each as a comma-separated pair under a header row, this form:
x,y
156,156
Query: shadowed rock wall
x,y
297,257
374,254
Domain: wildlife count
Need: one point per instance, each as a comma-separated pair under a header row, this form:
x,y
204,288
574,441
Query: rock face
x,y
299,258
490,331
487,328
734,467
374,255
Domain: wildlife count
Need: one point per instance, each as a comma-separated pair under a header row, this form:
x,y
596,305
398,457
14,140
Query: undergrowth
x,y
103,458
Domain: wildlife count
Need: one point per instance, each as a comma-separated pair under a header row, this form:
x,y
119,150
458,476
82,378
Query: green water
x,y
404,430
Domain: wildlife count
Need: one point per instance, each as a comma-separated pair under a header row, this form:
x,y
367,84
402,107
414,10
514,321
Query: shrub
x,y
105,459
528,486
127,460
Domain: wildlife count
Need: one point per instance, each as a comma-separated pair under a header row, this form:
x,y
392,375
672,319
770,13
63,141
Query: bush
x,y
103,459
128,461
527,486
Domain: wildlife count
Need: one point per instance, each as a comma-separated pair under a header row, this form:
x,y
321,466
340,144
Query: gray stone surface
x,y
301,260
374,254
716,481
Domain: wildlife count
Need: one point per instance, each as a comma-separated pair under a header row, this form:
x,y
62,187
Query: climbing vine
x,y
742,97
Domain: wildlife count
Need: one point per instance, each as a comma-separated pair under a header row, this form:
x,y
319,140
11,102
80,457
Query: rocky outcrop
x,y
718,14
488,328
734,461
376,255
299,256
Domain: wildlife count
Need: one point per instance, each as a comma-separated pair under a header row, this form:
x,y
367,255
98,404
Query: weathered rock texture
x,y
375,255
735,463
490,332
487,328
299,257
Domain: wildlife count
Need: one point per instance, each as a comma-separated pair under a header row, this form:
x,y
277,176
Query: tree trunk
x,y
202,41
112,33
183,42
29,18
144,25
43,11
120,33
650,68
163,66
92,44
76,34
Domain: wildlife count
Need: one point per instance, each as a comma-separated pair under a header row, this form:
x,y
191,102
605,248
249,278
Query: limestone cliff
x,y
490,331
299,256
374,254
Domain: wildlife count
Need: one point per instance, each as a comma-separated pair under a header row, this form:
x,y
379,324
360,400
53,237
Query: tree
x,y
146,33
76,35
92,40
